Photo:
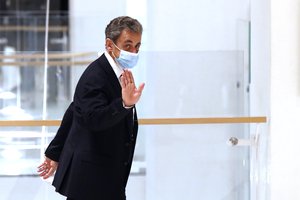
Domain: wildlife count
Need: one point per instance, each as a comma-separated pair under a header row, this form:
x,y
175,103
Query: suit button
x,y
126,163
127,144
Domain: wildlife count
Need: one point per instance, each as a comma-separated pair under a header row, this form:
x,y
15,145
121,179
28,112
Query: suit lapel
x,y
116,85
111,74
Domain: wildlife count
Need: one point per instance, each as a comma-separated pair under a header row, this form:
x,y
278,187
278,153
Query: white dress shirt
x,y
118,71
117,68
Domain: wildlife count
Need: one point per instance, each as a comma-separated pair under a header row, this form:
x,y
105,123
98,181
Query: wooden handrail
x,y
50,55
41,63
212,120
153,121
18,59
34,28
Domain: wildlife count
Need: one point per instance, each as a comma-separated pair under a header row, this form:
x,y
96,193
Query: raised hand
x,y
130,94
47,168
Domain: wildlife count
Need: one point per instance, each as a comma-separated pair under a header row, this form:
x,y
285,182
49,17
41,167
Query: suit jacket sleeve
x,y
100,114
98,101
55,147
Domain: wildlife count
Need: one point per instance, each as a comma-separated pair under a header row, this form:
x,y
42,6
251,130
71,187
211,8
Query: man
x,y
93,149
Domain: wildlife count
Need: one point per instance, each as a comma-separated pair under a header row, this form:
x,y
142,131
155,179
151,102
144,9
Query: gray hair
x,y
116,26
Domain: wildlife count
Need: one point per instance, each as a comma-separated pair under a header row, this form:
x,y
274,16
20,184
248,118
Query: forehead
x,y
128,36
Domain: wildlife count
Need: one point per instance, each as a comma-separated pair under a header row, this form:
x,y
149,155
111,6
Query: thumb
x,y
141,87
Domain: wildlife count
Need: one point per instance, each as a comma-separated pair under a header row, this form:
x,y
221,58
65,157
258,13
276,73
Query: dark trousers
x,y
70,199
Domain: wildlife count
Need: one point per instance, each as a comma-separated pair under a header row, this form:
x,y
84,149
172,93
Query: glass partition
x,y
178,84
193,162
171,162
193,84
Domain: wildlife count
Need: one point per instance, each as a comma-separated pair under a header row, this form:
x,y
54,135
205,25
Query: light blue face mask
x,y
127,59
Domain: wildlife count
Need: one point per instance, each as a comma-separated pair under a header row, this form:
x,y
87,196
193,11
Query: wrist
x,y
127,106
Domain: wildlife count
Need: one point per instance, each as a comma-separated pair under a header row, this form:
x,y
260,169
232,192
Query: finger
x,y
43,173
42,165
45,176
40,170
127,77
50,173
130,77
141,87
123,81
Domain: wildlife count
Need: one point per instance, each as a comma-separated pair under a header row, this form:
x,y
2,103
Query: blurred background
x,y
198,59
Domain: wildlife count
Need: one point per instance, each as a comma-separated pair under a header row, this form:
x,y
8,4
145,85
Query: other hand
x,y
47,168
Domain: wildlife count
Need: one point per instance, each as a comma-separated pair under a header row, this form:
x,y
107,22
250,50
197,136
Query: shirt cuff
x,y
127,107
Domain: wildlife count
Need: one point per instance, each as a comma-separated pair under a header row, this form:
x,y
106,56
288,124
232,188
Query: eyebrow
x,y
131,42
128,41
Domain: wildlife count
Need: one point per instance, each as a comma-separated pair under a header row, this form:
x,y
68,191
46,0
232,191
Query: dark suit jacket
x,y
95,142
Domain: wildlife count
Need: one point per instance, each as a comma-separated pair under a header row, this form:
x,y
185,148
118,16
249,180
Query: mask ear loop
x,y
115,57
116,46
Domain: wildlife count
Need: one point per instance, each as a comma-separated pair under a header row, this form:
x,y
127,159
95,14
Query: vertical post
x,y
45,79
255,165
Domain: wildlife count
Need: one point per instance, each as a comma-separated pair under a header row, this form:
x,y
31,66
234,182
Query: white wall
x,y
88,20
260,88
195,25
260,57
285,100
276,89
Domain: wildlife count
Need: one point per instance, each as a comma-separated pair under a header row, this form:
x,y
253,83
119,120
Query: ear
x,y
108,44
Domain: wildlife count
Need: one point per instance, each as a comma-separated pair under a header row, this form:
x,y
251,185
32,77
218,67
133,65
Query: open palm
x,y
130,94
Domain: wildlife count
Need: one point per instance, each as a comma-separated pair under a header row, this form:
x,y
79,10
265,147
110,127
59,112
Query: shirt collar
x,y
117,69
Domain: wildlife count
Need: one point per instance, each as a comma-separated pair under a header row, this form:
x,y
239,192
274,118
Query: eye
x,y
128,47
137,47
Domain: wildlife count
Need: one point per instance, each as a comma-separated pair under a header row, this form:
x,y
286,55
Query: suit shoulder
x,y
96,68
